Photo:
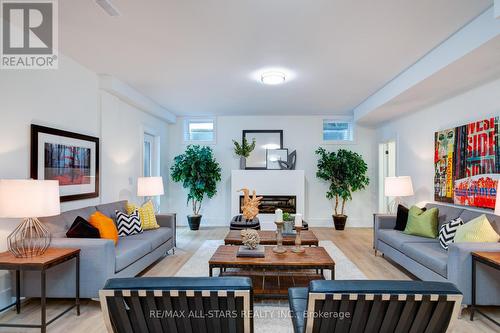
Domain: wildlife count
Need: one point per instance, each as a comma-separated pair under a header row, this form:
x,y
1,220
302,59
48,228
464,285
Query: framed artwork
x,y
467,164
273,156
264,139
69,157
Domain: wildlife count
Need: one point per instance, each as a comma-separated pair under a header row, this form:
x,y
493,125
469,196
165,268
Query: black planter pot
x,y
194,221
339,221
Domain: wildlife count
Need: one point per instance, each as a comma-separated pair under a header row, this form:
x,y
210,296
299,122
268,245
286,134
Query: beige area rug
x,y
271,316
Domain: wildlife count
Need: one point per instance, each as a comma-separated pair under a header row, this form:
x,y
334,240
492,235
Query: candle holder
x,y
279,238
298,242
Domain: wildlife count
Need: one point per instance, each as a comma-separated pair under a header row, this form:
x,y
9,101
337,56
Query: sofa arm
x,y
460,273
384,221
170,221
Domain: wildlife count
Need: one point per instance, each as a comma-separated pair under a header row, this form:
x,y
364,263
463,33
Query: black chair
x,y
348,306
178,304
239,223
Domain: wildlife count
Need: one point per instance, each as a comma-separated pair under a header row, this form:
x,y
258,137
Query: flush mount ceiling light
x,y
273,77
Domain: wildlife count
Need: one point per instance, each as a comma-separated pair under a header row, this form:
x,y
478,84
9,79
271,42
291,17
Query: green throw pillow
x,y
422,223
476,230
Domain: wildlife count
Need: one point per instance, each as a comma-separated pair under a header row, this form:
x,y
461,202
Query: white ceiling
x,y
198,57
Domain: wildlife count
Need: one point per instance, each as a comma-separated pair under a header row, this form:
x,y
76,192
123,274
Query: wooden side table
x,y
491,259
52,257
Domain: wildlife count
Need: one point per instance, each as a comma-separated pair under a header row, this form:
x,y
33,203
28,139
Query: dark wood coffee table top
x,y
51,257
492,258
268,237
313,257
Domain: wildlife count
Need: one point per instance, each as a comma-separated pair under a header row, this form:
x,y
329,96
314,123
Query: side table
x,y
491,259
52,257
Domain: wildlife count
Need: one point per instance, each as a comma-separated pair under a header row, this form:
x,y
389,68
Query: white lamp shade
x,y
20,198
497,202
398,186
149,186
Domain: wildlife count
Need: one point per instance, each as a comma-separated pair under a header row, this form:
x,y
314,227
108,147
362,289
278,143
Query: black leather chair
x,y
374,306
178,304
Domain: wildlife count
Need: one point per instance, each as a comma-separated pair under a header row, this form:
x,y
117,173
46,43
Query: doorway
x,y
386,168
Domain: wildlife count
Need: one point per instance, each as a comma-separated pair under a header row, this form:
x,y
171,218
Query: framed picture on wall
x,y
70,158
264,140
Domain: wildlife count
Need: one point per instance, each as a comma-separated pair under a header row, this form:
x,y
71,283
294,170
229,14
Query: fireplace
x,y
269,203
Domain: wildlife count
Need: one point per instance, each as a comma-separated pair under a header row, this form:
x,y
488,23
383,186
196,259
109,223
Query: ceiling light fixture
x,y
108,7
273,77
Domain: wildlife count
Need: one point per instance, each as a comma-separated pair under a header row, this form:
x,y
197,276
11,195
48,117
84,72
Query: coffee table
x,y
268,237
275,273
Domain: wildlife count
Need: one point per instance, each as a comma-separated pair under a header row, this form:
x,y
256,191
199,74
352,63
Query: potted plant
x,y
243,150
346,172
199,172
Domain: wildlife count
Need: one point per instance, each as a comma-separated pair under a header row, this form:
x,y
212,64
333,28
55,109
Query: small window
x,y
199,130
338,131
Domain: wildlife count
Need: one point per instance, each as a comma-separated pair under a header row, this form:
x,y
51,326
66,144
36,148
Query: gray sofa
x,y
100,260
428,261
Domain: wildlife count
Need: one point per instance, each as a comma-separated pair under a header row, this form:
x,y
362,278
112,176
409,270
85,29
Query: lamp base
x,y
392,207
30,239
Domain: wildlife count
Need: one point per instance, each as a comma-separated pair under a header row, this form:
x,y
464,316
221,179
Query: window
x,y
199,130
338,130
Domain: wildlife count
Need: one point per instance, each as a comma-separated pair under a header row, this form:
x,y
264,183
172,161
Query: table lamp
x,y
149,187
29,199
397,187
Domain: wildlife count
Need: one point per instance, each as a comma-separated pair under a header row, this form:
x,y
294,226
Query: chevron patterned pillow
x,y
448,231
128,224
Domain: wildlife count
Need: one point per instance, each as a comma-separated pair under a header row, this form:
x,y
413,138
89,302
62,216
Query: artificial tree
x,y
199,172
346,172
243,150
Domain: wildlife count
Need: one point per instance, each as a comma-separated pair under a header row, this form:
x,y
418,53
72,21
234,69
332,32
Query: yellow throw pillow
x,y
146,214
476,230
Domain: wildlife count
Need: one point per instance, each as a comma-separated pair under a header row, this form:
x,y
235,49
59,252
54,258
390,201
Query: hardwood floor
x,y
356,243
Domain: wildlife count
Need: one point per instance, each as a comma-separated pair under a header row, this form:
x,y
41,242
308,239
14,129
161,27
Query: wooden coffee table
x,y
275,273
268,237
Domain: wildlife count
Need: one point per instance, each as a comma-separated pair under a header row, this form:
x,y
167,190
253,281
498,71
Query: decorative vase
x,y
339,221
194,221
243,163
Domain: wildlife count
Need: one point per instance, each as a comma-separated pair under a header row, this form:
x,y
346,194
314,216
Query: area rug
x,y
271,316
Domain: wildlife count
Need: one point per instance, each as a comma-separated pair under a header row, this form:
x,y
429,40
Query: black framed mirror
x,y
264,139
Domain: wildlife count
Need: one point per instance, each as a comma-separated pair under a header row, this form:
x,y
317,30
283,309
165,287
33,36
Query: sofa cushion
x,y
422,223
430,255
180,283
396,238
469,215
60,224
129,251
479,230
110,208
297,297
446,213
154,237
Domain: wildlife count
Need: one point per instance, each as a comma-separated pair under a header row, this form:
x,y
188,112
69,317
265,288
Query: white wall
x,y
414,133
301,133
69,98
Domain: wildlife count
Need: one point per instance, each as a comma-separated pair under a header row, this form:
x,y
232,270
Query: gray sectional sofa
x,y
428,261
100,260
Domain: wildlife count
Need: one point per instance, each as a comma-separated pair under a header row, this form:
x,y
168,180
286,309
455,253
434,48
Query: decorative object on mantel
x,y
250,206
243,150
290,162
199,172
264,139
70,158
274,156
278,220
345,171
397,187
466,168
29,199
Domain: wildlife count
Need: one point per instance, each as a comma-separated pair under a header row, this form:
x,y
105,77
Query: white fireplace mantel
x,y
268,182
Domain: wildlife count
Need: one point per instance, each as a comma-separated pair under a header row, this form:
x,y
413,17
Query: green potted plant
x,y
346,172
243,150
199,172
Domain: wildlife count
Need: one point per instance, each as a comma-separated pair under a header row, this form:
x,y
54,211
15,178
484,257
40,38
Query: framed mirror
x,y
264,139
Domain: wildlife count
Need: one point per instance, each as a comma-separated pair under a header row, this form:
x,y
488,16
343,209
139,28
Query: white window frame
x,y
185,130
348,119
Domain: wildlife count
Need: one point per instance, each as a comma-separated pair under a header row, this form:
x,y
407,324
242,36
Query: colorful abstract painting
x,y
467,164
